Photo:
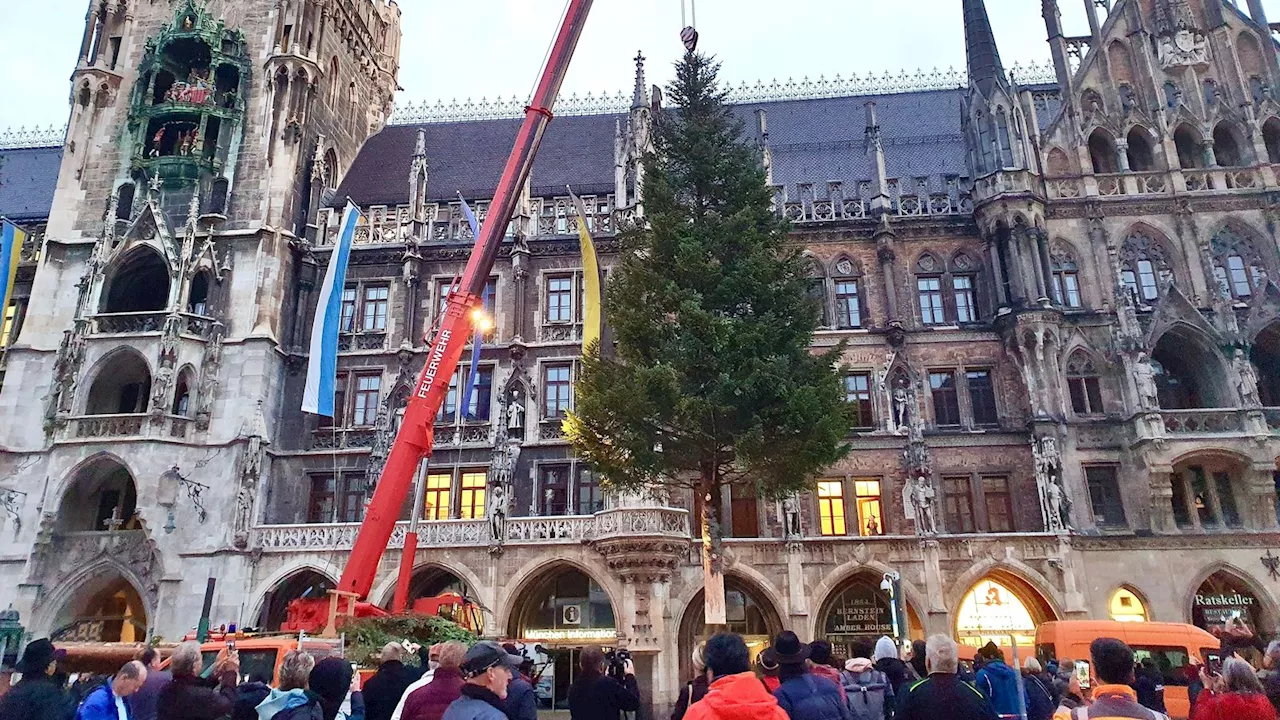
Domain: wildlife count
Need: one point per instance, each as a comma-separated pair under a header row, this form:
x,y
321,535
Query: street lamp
x,y
167,495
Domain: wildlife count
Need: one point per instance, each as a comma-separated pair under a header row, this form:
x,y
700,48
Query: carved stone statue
x,y
496,508
1246,379
900,401
515,415
1056,507
791,518
1054,510
922,497
1144,378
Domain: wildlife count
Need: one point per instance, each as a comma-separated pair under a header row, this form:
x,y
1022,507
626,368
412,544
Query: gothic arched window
x,y
947,293
1228,145
1237,264
1144,267
1066,278
1140,153
849,293
1187,142
1102,151
1271,137
1083,384
817,286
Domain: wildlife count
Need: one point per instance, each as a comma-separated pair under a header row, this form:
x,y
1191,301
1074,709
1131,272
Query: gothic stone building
x,y
1058,295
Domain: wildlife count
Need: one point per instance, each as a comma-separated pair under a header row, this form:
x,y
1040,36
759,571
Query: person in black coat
x,y
383,691
596,696
695,689
190,697
38,696
521,702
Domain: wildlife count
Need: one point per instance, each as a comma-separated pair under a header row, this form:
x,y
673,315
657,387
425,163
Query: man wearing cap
x,y
803,695
486,672
37,696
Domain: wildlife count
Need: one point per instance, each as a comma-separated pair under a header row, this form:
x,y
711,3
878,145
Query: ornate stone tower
x,y
144,392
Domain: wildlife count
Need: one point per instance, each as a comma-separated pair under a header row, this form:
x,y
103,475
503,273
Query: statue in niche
x,y
791,517
1048,466
1144,378
496,509
917,505
515,415
1246,379
901,401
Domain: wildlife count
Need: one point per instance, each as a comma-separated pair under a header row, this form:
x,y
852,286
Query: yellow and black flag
x,y
592,288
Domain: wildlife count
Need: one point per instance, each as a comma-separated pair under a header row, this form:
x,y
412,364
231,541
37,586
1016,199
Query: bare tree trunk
x,y
712,565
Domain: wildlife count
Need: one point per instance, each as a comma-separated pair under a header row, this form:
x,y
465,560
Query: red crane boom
x,y
415,439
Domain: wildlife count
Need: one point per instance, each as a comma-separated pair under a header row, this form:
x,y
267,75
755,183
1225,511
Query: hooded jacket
x,y
999,684
1233,706
296,704
736,697
1119,702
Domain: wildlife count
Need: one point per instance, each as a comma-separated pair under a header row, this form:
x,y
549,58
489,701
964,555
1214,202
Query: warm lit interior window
x,y
472,495
870,517
436,503
831,507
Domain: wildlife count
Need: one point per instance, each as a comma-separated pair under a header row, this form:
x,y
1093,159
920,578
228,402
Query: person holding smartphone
x,y
1111,663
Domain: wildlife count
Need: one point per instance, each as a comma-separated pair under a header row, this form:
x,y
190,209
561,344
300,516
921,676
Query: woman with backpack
x,y
869,692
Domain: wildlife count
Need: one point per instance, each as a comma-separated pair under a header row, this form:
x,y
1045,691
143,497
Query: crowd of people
x,y
790,680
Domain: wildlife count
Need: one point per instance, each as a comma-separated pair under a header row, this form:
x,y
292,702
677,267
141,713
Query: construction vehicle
x,y
415,438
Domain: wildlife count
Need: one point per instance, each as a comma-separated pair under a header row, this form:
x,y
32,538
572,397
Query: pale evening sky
x,y
487,48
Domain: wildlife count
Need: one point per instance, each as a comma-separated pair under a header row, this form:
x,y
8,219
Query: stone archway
x,y
1001,607
1228,604
750,612
857,610
100,496
438,590
104,607
563,605
305,583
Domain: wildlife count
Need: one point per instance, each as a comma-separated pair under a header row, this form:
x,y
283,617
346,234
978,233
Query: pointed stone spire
x,y
880,183
638,98
985,69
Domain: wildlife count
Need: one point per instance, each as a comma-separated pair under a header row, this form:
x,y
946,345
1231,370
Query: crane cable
x,y
546,57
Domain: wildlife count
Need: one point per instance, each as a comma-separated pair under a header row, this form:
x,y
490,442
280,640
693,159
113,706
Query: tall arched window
x,y
1271,136
1227,145
1102,151
1083,385
124,201
947,294
1187,142
1237,264
1005,149
849,294
1144,267
1140,153
817,286
198,300
138,283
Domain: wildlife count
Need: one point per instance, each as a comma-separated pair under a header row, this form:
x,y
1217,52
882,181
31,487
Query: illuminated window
x,y
12,324
472,495
870,517
436,504
1127,607
554,485
831,507
991,612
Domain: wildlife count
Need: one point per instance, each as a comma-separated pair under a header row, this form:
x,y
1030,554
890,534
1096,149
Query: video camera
x,y
616,662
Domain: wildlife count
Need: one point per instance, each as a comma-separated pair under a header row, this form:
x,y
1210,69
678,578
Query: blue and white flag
x,y
322,367
474,375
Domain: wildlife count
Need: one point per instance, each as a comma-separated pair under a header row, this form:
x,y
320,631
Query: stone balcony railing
x,y
1203,422
670,523
348,342
334,438
87,427
1138,184
140,323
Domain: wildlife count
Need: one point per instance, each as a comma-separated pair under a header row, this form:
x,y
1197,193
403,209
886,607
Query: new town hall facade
x,y
1059,293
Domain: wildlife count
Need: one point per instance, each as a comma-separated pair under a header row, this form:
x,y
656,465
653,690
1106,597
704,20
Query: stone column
x,y
997,272
885,255
937,619
1046,266
1261,495
1161,483
797,599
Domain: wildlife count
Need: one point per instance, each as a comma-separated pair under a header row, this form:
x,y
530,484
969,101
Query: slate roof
x,y
28,177
812,141
467,157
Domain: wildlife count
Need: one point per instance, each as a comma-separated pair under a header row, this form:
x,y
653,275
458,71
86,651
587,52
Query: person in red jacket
x,y
1235,695
735,692
430,701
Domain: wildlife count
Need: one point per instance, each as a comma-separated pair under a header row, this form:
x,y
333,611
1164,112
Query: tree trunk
x,y
712,565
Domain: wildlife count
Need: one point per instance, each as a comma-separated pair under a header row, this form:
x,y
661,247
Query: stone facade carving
x,y
1054,506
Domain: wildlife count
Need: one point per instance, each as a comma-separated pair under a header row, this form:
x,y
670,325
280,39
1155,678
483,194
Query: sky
x,y
490,48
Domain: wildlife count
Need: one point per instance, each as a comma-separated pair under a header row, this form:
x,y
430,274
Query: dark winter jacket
x,y
476,703
1040,703
143,703
1272,685
1149,689
37,698
601,697
431,700
1234,706
191,698
999,684
831,674
691,693
100,704
810,697
248,697
943,695
521,703
737,697
383,691
898,672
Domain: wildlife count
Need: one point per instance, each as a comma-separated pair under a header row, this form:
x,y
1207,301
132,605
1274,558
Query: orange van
x,y
1172,646
262,656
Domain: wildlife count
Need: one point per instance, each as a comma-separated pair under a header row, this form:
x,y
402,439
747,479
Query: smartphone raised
x,y
1082,673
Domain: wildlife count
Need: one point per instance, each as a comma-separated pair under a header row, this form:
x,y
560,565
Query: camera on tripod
x,y
616,662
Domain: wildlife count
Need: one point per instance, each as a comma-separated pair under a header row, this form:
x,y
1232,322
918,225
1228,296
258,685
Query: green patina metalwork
x,y
189,102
